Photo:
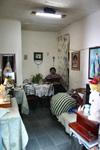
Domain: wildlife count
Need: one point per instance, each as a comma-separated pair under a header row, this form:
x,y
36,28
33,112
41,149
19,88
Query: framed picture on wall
x,y
94,62
8,66
75,60
38,55
25,57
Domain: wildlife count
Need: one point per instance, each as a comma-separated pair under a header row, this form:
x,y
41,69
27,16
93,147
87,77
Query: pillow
x,y
79,100
3,111
61,102
81,95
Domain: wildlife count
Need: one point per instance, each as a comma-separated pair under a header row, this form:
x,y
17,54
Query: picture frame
x,y
75,60
8,64
25,57
94,62
38,55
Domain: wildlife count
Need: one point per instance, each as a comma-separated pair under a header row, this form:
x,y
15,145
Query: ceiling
x,y
21,10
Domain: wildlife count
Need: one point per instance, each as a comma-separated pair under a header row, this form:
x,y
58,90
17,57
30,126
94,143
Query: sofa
x,y
64,117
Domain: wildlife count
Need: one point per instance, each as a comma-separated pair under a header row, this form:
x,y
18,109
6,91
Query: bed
x,y
63,105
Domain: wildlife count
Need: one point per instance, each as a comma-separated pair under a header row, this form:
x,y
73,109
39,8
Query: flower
x,y
9,79
37,78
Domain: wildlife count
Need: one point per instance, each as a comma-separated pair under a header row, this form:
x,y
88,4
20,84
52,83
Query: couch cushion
x,y
61,102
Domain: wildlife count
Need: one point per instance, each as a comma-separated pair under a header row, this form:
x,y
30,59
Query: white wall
x,y
10,42
45,42
83,34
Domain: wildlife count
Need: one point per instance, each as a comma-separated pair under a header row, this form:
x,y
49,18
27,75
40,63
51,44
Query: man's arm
x,y
64,83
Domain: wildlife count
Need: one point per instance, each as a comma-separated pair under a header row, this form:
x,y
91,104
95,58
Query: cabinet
x,y
88,129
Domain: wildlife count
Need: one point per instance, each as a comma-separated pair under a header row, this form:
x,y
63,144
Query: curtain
x,y
63,50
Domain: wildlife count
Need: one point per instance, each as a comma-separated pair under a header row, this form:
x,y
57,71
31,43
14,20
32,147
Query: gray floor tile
x,y
33,145
64,146
45,110
38,111
58,138
27,125
45,142
46,115
39,117
31,134
47,122
32,118
67,136
51,148
51,130
39,132
44,132
35,124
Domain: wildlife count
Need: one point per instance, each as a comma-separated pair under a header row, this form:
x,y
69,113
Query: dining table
x,y
39,90
13,132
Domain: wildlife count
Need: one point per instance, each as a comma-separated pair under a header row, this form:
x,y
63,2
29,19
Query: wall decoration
x,y
63,49
75,60
25,57
53,60
94,62
8,66
38,56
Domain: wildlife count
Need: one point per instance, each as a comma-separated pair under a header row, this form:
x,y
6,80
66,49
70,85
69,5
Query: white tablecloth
x,y
21,99
14,134
39,90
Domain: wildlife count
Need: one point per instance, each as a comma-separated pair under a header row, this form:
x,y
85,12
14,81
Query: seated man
x,y
57,81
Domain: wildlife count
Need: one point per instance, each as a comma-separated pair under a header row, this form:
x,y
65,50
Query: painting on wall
x,y
75,60
94,62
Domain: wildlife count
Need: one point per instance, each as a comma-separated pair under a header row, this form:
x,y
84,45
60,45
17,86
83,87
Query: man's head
x,y
52,71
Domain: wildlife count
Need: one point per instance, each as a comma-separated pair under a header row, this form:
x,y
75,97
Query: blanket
x,y
62,102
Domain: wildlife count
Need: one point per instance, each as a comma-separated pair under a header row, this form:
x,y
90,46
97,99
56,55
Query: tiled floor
x,y
44,132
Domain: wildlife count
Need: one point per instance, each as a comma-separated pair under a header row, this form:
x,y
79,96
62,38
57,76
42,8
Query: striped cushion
x,y
61,102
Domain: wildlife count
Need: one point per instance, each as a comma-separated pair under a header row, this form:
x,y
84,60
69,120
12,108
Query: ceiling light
x,y
48,15
49,12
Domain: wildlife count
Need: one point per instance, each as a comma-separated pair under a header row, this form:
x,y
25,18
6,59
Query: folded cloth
x,y
3,111
71,111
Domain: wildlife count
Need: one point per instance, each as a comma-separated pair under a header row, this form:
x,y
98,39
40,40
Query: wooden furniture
x,y
4,104
88,129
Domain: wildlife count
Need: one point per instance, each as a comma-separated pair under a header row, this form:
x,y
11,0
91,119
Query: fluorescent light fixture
x,y
48,15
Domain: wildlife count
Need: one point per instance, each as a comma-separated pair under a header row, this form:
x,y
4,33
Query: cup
x,y
86,109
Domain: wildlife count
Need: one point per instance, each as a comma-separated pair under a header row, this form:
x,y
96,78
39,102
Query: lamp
x,y
48,12
48,15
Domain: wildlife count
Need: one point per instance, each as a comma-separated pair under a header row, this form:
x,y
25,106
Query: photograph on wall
x,y
75,60
94,62
38,56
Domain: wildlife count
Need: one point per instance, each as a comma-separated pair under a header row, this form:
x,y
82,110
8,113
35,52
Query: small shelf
x,y
88,129
86,134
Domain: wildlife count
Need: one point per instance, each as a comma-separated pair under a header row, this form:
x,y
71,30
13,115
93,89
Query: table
x,y
21,99
39,90
14,134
